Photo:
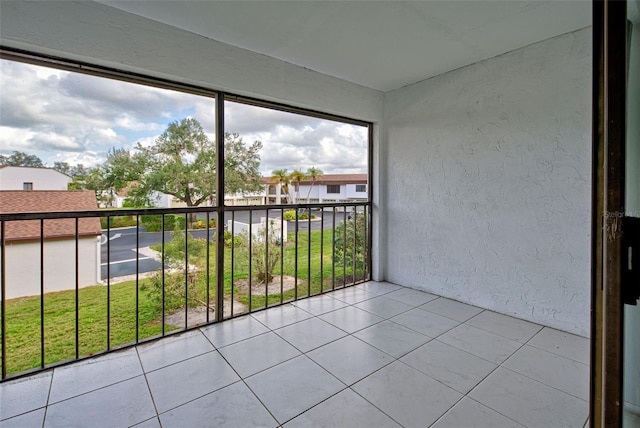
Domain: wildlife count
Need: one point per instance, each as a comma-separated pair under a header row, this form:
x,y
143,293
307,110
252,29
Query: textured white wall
x,y
13,178
23,266
488,183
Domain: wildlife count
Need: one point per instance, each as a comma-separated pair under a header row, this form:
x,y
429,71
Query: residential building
x,y
25,242
32,178
326,188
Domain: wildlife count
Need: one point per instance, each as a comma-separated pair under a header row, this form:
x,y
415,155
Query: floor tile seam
x,y
46,406
243,340
179,362
259,401
392,356
498,412
24,413
264,369
557,354
158,414
543,383
439,381
315,405
458,349
365,398
436,313
502,335
412,329
146,381
478,356
96,389
320,346
450,407
111,383
521,344
552,353
394,315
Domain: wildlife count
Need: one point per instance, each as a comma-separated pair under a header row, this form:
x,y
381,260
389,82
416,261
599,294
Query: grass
x,y
23,315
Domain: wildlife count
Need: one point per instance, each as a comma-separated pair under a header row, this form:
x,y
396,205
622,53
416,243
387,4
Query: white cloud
x,y
74,118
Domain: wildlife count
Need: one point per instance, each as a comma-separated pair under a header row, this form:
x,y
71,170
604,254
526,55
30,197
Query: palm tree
x,y
296,177
313,173
282,177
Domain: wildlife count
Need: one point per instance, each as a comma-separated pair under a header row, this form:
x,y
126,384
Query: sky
x,y
61,116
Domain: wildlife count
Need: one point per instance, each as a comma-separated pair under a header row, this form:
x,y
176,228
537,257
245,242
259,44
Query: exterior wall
x,y
353,194
13,178
488,173
23,266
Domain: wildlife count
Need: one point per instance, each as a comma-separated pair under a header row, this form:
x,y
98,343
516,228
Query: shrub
x,y
264,264
351,243
174,284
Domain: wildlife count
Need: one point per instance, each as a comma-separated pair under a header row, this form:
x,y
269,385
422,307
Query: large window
x,y
192,245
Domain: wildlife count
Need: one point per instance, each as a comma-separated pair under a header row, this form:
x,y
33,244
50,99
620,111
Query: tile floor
x,y
374,355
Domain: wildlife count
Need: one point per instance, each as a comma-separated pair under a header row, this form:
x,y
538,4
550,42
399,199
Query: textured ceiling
x,y
383,45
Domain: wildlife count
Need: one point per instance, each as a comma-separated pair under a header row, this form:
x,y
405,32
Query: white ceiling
x,y
383,45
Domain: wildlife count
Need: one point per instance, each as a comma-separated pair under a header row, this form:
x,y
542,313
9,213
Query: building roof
x,y
330,179
20,201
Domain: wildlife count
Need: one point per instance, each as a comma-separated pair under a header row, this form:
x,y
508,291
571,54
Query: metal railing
x,y
161,271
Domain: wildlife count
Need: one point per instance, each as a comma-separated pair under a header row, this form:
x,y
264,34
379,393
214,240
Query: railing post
x,y
220,206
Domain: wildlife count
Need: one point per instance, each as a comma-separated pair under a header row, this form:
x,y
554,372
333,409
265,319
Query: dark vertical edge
x,y
137,278
344,246
322,250
281,255
186,269
163,273
220,130
309,254
3,299
108,283
250,260
207,280
355,244
597,214
266,259
295,262
369,219
233,250
77,294
333,249
615,102
368,233
42,293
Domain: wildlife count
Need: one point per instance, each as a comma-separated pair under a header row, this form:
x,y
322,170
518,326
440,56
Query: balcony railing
x,y
75,289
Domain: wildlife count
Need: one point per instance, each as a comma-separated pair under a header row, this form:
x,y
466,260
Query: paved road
x,y
121,245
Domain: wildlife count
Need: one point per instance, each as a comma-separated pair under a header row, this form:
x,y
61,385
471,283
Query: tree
x,y
282,178
296,177
73,171
21,159
182,163
313,173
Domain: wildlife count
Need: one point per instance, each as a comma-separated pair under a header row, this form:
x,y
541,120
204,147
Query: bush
x,y
202,224
351,243
292,214
174,283
228,239
118,221
153,223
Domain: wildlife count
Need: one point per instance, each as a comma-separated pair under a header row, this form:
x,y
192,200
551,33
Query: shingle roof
x,y
20,201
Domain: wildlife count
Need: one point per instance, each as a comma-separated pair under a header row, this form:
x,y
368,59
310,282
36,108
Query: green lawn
x,y
23,334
